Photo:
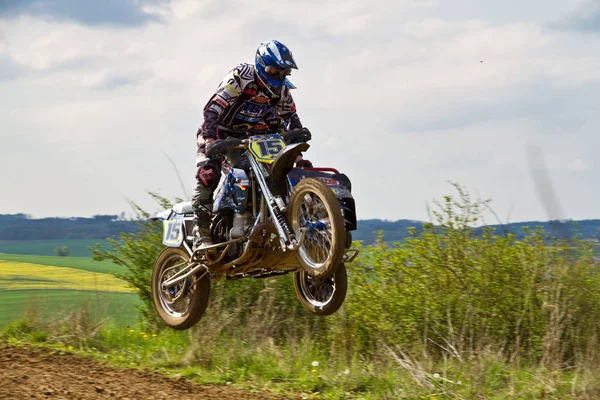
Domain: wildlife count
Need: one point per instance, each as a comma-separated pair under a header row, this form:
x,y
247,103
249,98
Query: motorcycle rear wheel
x,y
322,296
182,305
313,206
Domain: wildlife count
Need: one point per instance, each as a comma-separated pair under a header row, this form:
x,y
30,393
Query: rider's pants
x,y
202,198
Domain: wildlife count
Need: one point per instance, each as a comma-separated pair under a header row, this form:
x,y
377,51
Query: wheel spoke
x,y
176,299
313,216
314,210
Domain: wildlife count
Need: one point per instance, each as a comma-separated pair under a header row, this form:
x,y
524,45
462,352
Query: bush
x,y
447,293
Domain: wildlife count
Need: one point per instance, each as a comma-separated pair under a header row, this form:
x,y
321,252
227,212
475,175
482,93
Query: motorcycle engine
x,y
241,224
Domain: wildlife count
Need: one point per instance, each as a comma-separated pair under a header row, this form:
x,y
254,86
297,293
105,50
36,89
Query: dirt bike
x,y
269,218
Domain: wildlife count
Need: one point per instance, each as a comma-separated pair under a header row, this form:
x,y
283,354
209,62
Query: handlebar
x,y
223,145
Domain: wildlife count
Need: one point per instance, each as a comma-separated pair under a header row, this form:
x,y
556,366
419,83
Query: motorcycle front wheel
x,y
314,208
322,296
180,306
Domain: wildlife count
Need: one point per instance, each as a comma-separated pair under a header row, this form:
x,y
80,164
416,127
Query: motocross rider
x,y
251,100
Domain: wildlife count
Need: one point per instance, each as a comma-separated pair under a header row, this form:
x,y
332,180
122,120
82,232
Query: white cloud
x,y
579,165
397,96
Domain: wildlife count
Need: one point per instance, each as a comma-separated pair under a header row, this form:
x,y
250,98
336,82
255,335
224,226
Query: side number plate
x,y
173,232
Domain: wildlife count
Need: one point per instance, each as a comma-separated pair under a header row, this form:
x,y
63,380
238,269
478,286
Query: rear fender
x,y
161,215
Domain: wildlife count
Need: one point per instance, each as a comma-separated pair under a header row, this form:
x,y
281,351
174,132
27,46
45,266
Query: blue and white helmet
x,y
274,61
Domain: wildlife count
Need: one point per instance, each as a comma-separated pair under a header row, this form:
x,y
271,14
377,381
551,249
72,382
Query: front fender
x,y
283,164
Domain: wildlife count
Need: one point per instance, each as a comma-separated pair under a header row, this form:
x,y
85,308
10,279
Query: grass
x,y
86,264
78,247
52,305
25,276
303,371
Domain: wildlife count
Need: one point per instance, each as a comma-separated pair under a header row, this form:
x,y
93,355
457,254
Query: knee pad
x,y
202,214
208,176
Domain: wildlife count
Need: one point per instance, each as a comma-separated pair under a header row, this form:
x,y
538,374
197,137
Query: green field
x,y
86,264
78,247
52,286
55,305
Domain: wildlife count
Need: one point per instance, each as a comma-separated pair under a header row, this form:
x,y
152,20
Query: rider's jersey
x,y
241,106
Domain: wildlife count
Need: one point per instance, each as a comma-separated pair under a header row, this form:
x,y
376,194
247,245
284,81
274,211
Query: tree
x,y
62,251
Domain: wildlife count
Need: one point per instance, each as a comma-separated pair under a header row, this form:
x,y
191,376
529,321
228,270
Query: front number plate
x,y
266,148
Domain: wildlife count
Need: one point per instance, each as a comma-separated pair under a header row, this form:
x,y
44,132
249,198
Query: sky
x,y
404,96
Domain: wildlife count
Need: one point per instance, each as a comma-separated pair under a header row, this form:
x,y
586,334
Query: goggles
x,y
277,73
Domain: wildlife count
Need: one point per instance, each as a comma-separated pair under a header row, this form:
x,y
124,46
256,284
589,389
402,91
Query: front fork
x,y
287,237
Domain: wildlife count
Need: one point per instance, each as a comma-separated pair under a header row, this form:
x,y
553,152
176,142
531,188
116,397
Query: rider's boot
x,y
201,239
202,201
201,230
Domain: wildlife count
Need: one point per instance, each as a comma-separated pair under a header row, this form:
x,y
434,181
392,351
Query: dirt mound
x,y
27,373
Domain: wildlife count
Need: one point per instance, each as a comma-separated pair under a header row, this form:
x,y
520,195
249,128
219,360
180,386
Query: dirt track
x,y
31,373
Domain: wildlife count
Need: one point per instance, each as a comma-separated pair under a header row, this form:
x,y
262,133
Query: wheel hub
x,y
319,292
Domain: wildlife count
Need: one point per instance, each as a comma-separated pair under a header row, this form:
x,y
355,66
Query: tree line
x,y
23,227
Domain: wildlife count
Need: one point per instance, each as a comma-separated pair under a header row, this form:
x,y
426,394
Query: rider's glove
x,y
297,136
304,164
306,135
210,145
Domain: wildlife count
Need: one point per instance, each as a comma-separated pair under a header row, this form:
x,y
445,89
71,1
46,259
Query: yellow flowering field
x,y
25,276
